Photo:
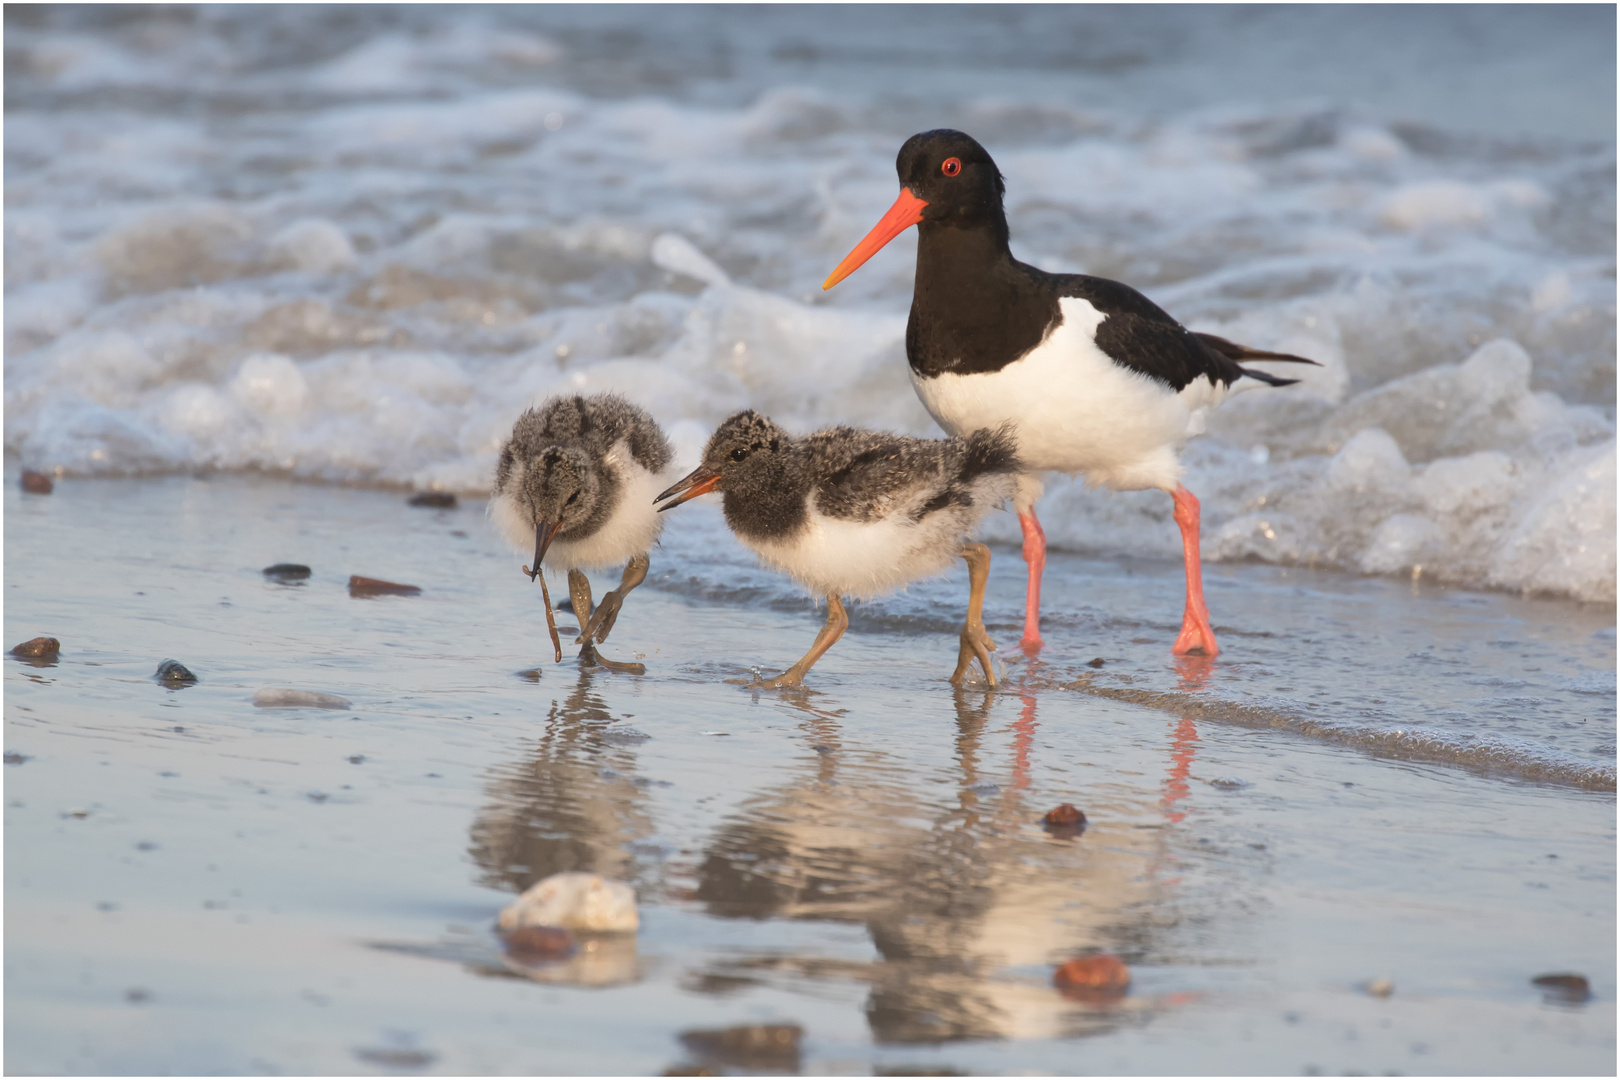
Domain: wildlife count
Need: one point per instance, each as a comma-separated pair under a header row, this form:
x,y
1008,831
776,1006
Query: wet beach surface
x,y
196,884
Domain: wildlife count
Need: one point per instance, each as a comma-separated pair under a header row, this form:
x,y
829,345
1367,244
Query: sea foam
x,y
363,270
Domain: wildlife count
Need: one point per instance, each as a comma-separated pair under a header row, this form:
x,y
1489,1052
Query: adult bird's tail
x,y
1235,352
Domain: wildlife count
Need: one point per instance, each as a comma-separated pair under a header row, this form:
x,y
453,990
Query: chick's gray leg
x,y
976,644
579,592
579,589
601,622
831,630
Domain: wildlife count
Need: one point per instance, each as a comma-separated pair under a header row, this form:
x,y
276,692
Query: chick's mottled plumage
x,y
856,512
589,466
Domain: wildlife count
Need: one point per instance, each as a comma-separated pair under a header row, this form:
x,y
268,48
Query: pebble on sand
x,y
434,500
37,483
174,673
1092,978
1565,987
574,901
1381,988
1066,821
287,571
365,586
288,699
38,647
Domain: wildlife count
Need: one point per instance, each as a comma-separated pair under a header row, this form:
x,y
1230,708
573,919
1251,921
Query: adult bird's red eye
x,y
951,167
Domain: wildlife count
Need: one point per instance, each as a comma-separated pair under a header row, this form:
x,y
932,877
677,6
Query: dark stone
x,y
1565,988
174,673
365,586
287,571
36,483
38,648
14,758
433,500
1096,662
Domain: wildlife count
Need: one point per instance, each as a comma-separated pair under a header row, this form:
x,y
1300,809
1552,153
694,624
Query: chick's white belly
x,y
867,559
1074,410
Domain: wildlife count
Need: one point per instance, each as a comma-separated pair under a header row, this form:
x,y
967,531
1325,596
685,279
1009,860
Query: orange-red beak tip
x,y
906,212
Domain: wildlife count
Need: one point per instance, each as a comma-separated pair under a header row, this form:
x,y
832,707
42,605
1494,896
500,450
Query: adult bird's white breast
x,y
1075,410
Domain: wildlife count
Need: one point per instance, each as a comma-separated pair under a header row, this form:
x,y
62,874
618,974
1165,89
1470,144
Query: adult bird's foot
x,y
1196,637
976,644
1031,644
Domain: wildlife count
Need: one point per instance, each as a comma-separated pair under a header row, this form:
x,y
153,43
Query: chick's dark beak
x,y
543,533
700,481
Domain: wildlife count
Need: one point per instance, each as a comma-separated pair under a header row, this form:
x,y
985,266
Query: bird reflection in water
x,y
575,803
967,902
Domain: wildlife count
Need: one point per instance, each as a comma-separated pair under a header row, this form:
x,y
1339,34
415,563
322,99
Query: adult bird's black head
x,y
947,182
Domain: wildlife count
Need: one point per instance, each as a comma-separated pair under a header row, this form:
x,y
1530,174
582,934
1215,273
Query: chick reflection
x,y
966,910
574,804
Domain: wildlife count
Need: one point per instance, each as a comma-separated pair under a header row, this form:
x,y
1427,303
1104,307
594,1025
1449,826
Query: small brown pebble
x,y
1565,987
137,996
690,1070
538,944
14,758
287,571
1096,662
36,483
365,586
1092,978
1381,988
38,647
434,500
1066,817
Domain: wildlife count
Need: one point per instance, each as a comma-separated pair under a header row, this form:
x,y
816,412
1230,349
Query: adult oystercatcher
x,y
857,513
577,480
1092,376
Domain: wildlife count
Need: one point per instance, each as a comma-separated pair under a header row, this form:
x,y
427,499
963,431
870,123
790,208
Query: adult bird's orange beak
x,y
906,212
699,482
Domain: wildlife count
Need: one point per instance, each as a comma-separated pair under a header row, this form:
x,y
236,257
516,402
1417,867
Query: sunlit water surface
x,y
194,884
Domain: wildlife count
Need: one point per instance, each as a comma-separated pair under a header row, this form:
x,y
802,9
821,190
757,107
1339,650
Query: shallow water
x,y
194,884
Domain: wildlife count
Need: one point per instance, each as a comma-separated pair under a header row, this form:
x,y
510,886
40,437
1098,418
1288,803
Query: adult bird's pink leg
x,y
1196,635
1035,555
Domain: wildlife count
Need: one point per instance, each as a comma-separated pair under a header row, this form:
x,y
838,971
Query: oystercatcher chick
x,y
1093,376
577,480
858,513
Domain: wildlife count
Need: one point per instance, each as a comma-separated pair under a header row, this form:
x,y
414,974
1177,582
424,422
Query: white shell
x,y
575,901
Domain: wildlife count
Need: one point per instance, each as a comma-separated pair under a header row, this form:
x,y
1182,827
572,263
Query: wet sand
x,y
198,885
